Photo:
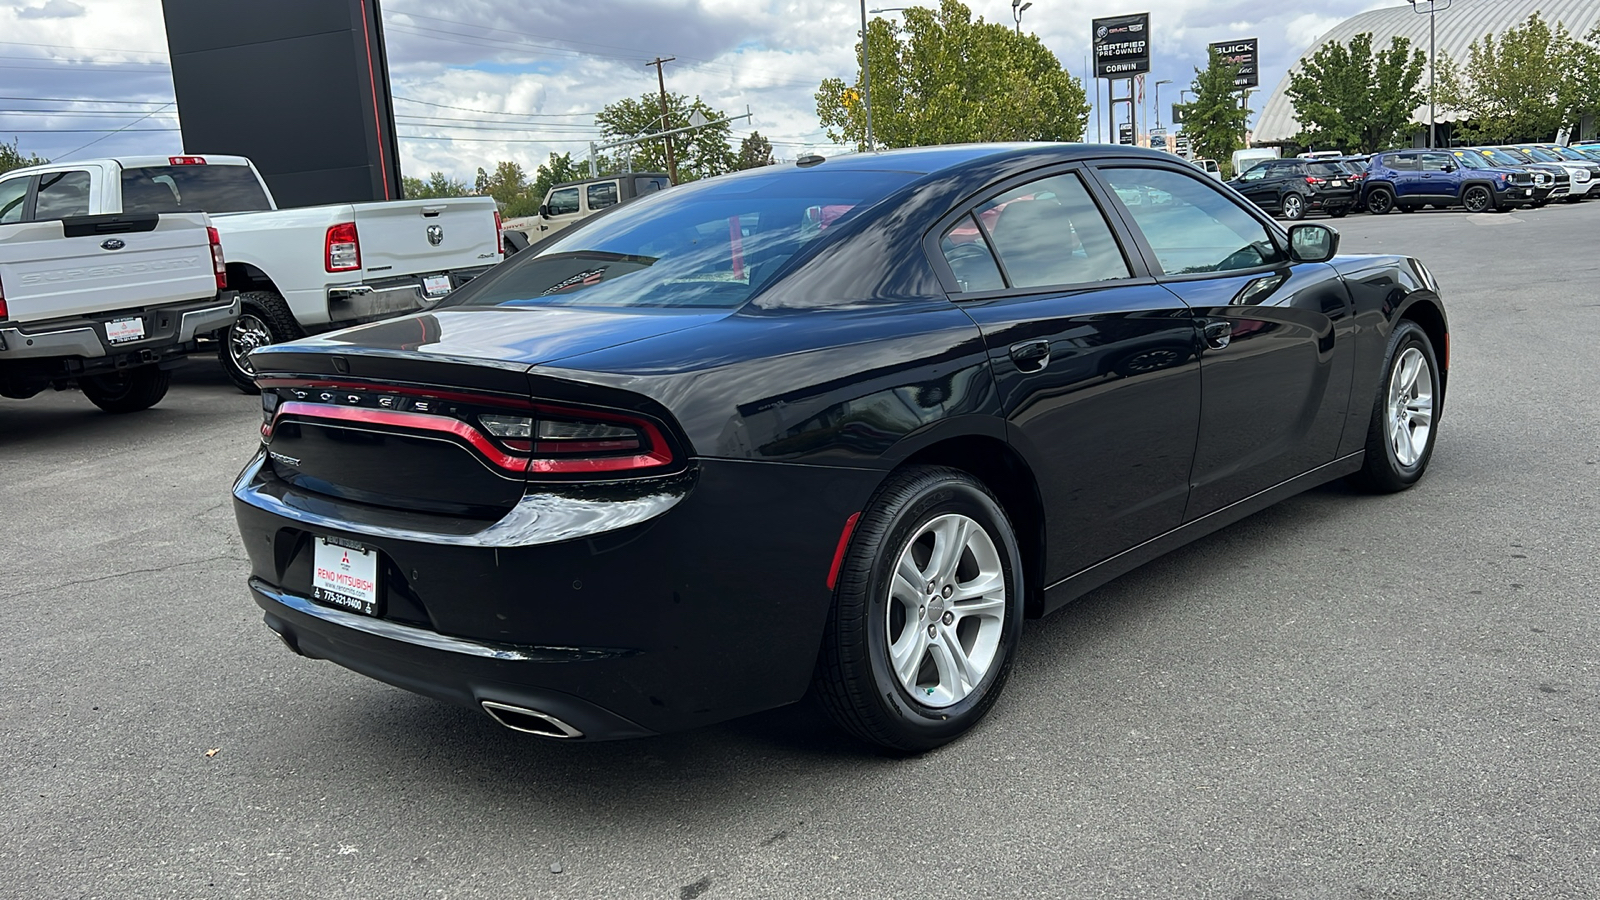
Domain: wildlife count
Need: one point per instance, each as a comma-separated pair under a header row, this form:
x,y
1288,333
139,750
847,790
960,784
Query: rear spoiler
x,y
119,223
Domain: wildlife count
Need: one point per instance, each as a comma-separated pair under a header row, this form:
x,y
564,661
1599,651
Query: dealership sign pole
x,y
1246,54
1121,53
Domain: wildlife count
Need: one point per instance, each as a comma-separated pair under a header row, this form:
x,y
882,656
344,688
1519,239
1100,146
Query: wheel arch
x,y
244,277
1426,312
1003,470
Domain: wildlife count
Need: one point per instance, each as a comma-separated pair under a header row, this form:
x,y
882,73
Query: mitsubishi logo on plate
x,y
435,235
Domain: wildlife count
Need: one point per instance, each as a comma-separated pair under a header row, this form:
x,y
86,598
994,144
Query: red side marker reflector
x,y
838,553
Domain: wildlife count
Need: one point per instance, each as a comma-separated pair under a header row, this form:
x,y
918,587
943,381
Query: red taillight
x,y
499,233
186,160
343,248
1313,180
217,263
3,311
576,442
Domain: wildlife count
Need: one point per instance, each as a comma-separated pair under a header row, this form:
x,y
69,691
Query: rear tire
x,y
920,639
129,390
1405,414
1339,213
1294,207
264,319
1380,200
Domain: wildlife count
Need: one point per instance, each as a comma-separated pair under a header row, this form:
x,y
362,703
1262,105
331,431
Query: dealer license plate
x,y
345,576
1338,184
120,331
436,285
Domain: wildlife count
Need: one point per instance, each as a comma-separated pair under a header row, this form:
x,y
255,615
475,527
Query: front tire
x,y
263,319
926,616
1401,433
1380,200
129,390
1294,207
1477,199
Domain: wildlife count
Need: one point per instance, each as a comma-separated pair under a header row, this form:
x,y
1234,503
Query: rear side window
x,y
563,201
12,195
602,195
1192,226
643,186
1049,232
1402,163
967,251
62,194
212,189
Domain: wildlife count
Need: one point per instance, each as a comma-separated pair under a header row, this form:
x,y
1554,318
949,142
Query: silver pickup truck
x,y
106,304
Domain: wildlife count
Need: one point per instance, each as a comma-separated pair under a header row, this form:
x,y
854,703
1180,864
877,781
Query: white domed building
x,y
1456,28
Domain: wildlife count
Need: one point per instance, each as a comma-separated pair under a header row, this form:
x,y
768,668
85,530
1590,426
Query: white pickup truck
x,y
298,271
103,303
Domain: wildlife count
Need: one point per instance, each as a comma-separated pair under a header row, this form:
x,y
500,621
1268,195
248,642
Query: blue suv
x,y
1411,179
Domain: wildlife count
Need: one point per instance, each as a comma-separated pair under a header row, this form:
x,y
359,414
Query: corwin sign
x,y
1121,46
1246,55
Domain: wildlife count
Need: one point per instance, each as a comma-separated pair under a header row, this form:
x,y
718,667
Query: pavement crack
x,y
99,578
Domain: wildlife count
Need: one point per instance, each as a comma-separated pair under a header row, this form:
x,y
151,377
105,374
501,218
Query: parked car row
x,y
1477,179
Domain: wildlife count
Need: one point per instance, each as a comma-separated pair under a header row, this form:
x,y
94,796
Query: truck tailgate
x,y
419,237
97,264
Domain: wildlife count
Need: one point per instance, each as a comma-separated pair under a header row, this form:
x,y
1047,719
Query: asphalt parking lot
x,y
1341,697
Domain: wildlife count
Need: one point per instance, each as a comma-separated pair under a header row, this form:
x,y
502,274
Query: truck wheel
x,y
263,319
127,391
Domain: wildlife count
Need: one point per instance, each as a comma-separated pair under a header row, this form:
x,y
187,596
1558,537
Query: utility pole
x,y
866,78
661,82
1433,7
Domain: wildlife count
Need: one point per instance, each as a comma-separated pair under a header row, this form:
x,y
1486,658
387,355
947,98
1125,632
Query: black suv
x,y
1294,187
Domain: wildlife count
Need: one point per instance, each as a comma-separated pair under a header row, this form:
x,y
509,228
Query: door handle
x,y
1031,356
1218,334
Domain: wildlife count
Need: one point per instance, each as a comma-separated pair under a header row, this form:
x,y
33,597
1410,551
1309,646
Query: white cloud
x,y
52,9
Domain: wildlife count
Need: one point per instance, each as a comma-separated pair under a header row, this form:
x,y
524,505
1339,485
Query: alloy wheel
x,y
1410,407
1476,199
247,335
946,611
1380,202
1293,207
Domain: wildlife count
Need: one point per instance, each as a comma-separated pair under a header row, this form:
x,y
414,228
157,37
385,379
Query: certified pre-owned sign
x,y
1122,46
1245,54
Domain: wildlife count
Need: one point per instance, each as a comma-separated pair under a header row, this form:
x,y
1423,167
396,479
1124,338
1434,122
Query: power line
x,y
451,140
77,100
489,111
123,128
75,47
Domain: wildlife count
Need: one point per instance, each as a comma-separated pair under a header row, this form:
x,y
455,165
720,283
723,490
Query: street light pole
x,y
1017,9
1158,100
866,78
1433,6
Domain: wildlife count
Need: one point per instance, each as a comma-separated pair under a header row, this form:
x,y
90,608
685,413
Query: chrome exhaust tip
x,y
529,721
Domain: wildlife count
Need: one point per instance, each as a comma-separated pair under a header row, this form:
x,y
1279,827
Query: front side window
x,y
62,194
1049,232
602,195
1256,174
1435,162
1197,228
12,195
563,201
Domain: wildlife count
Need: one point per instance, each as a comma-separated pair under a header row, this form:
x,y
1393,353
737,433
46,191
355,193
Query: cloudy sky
x,y
73,72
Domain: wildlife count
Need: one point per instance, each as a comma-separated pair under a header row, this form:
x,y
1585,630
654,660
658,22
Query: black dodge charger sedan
x,y
843,423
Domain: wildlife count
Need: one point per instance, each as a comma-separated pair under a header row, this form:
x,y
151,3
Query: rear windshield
x,y
212,189
1326,169
707,245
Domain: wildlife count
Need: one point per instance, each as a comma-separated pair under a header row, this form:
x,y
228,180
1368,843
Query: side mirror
x,y
1313,243
1449,167
544,210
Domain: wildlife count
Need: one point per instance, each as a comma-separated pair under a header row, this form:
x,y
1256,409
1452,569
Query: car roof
x,y
939,158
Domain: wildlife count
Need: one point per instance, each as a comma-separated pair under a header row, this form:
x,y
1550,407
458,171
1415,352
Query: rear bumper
x,y
170,330
382,298
618,618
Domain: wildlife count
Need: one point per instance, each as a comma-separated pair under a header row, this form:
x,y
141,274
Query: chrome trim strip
x,y
567,731
211,318
432,640
82,342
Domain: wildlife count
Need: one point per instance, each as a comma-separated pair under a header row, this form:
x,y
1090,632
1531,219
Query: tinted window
x,y
12,195
1434,162
564,201
1402,163
62,194
602,195
1049,232
648,185
1325,170
709,244
1195,228
214,189
969,256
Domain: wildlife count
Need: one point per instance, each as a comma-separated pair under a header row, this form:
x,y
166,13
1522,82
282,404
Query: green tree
x,y
1348,98
437,185
1581,95
949,79
12,158
1215,119
557,169
700,153
506,184
754,151
1511,87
